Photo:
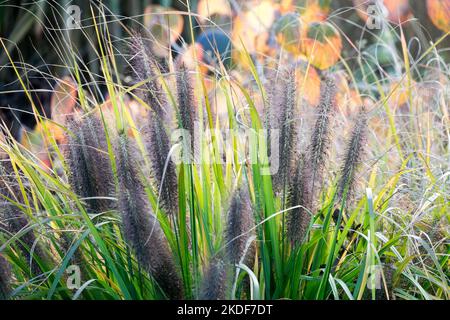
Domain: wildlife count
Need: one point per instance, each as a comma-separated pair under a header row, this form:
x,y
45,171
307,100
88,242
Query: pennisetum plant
x,y
144,68
240,229
140,225
187,114
214,284
308,177
163,170
145,73
318,150
283,102
353,158
298,216
239,248
89,167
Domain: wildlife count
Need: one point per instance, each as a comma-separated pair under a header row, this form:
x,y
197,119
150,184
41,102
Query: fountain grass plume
x,y
163,170
144,70
320,138
240,223
89,166
283,103
140,225
353,158
299,196
187,107
305,185
214,284
320,143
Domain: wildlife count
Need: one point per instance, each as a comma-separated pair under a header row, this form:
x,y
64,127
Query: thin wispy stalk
x,y
240,223
89,166
5,278
15,219
353,158
283,103
140,225
214,283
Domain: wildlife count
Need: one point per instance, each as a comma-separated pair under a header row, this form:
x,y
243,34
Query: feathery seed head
x,y
144,70
141,227
239,229
353,157
318,149
282,117
186,106
299,198
163,169
214,282
90,171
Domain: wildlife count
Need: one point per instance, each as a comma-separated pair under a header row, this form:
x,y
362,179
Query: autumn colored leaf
x,y
310,10
252,27
322,44
251,31
439,12
288,30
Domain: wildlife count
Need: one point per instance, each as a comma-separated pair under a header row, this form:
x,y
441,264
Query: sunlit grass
x,y
397,227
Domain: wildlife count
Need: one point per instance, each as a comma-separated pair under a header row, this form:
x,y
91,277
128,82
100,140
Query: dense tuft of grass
x,y
358,208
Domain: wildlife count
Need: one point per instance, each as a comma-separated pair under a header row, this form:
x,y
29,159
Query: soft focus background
x,y
39,36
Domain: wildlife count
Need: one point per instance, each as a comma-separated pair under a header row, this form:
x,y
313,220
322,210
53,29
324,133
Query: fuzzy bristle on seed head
x,y
163,170
239,229
5,278
320,139
299,199
214,283
15,219
144,70
318,149
353,158
283,103
140,226
90,171
305,183
187,107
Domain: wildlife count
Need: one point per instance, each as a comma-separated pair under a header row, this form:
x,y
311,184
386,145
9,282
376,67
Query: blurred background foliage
x,y
38,24
36,37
